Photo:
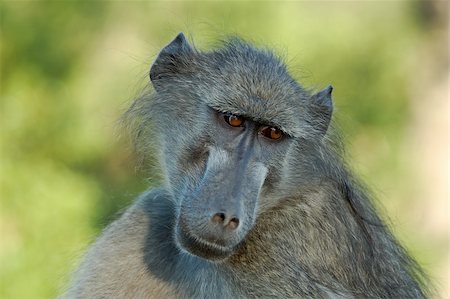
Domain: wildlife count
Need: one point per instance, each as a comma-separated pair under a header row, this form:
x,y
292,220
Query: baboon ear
x,y
171,60
322,106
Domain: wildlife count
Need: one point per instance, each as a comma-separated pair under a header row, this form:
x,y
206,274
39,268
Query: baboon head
x,y
227,122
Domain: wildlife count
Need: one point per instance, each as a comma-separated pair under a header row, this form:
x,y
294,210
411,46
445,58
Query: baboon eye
x,y
233,120
271,133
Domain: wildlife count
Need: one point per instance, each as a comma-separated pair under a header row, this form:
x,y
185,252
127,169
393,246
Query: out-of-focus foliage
x,y
68,69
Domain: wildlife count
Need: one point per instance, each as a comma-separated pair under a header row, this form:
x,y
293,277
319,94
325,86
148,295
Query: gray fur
x,y
306,228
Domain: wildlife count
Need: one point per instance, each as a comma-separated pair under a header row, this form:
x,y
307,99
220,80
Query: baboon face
x,y
227,120
219,203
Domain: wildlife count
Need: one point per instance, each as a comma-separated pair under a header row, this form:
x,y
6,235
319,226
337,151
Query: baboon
x,y
257,201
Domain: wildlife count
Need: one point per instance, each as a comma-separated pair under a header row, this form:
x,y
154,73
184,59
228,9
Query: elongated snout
x,y
215,218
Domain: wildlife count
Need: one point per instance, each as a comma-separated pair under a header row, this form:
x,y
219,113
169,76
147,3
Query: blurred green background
x,y
69,69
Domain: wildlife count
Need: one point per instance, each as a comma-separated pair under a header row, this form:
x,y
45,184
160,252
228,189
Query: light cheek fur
x,y
218,158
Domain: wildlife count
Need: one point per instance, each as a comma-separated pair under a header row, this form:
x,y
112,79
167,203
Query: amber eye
x,y
271,133
234,120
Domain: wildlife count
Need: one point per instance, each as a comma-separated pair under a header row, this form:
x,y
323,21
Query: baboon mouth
x,y
199,247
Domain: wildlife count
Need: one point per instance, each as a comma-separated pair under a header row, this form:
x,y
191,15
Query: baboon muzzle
x,y
214,219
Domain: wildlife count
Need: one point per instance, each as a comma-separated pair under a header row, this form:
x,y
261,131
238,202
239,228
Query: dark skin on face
x,y
226,206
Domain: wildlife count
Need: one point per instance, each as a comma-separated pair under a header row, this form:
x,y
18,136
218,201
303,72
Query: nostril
x,y
218,218
233,224
224,221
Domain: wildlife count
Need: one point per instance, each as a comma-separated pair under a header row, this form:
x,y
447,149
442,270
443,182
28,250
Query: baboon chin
x,y
256,201
213,250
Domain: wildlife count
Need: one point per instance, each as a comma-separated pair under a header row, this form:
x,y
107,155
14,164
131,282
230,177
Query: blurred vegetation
x,y
69,69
